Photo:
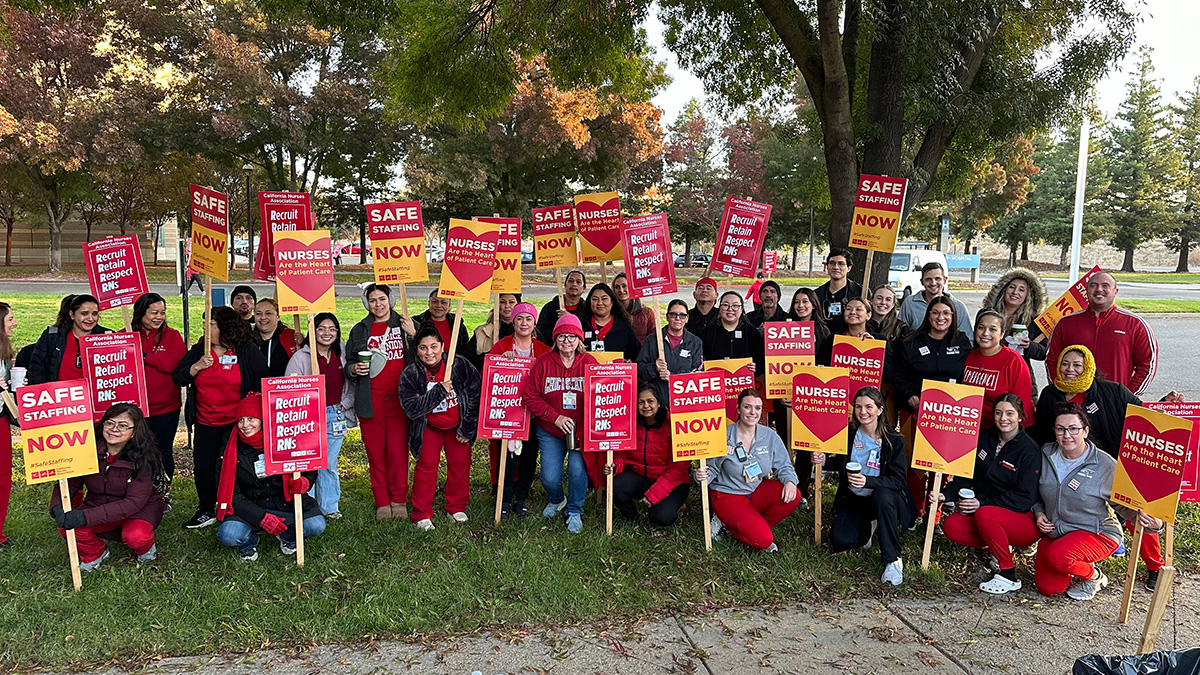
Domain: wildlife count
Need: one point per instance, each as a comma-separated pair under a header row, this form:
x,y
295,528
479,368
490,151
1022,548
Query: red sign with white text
x,y
610,416
554,236
1189,489
397,242
57,430
649,265
115,271
599,219
507,277
770,262
864,359
740,239
788,345
112,367
280,212
501,406
877,212
294,424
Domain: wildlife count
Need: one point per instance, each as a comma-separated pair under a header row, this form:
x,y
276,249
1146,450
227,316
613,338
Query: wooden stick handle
x,y
500,478
608,502
931,516
72,547
1131,571
558,280
1169,546
658,319
816,503
296,323
866,284
299,511
125,316
1158,606
403,299
207,317
312,350
706,513
458,320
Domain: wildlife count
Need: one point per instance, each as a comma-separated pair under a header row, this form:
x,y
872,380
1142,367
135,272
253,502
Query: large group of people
x,y
1043,468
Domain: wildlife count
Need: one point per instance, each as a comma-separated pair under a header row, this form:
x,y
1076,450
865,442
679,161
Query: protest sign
x,y
649,265
608,357
697,415
554,236
279,212
770,262
1189,487
304,269
1150,462
470,260
788,345
820,409
599,219
503,414
113,370
877,212
294,424
738,378
115,271
397,234
864,358
610,418
1073,300
210,232
740,238
947,428
507,277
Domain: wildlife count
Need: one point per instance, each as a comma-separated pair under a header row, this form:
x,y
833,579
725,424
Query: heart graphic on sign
x,y
603,238
823,427
1152,484
948,444
311,287
469,274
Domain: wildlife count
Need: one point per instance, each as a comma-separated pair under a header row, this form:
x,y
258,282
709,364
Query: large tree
x,y
693,179
1184,235
1002,186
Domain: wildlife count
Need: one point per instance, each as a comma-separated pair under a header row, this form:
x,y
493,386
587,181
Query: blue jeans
x,y
328,489
237,533
554,452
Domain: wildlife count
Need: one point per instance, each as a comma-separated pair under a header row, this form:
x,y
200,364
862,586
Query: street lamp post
x,y
249,221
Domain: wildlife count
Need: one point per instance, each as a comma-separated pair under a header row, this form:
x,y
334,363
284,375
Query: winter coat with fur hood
x,y
1035,304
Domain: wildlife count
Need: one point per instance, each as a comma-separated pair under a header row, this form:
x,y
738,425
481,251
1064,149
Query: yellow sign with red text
x,y
57,430
878,209
304,272
1073,300
210,232
820,409
948,428
397,242
737,379
507,277
470,260
1150,462
607,357
697,416
598,217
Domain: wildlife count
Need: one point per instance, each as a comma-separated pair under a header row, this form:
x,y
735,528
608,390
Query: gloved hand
x,y
70,519
56,511
294,486
273,524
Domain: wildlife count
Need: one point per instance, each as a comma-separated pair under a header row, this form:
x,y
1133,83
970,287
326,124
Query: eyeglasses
x,y
566,337
326,329
731,307
119,426
838,263
677,315
1067,431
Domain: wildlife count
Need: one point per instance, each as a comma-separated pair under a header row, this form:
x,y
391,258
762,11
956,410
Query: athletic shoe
x,y
894,573
152,554
459,517
202,519
286,548
574,523
336,515
505,511
1120,552
553,509
425,524
89,566
1086,589
1151,580
520,510
999,585
773,548
715,526
917,522
248,556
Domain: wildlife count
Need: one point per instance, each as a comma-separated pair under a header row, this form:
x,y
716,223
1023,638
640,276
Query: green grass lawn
x,y
1146,306
1143,277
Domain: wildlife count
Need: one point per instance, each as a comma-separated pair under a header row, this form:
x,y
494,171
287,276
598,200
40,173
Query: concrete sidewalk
x,y
968,633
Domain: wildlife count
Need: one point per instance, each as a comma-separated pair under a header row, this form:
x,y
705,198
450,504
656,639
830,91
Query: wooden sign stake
x,y
458,319
558,280
403,299
816,503
125,315
929,524
72,547
706,514
500,479
608,501
1158,606
1131,570
866,285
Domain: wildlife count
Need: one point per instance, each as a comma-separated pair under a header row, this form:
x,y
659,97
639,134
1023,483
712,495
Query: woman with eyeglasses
x,y
754,484
642,318
606,325
1074,514
521,468
1105,403
685,352
731,336
277,342
339,402
554,395
162,350
58,356
119,502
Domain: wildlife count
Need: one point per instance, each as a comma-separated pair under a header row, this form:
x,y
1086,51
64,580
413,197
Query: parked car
x,y
526,257
698,260
434,254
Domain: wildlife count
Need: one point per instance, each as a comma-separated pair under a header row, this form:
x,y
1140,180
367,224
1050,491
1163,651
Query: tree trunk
x,y
1062,258
1024,250
1012,255
687,251
155,230
795,256
967,247
1127,265
1185,249
55,225
8,230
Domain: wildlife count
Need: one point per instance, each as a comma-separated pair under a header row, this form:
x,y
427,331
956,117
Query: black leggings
x,y
629,486
852,518
525,467
208,446
164,427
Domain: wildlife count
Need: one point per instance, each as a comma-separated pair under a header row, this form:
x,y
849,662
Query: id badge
x,y
260,466
597,346
338,428
569,400
873,460
835,308
752,472
227,361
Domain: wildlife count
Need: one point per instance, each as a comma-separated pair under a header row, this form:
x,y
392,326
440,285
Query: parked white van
x,y
904,276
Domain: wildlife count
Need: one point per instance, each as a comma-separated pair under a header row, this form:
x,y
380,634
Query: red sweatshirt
x,y
1121,342
549,382
1002,373
652,461
161,357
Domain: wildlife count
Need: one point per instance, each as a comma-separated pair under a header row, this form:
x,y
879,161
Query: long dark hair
x,y
816,316
70,305
661,415
927,325
635,304
141,306
336,347
6,349
618,307
142,449
234,329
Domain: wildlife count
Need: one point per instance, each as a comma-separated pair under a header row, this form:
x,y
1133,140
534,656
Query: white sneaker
x,y
425,524
152,554
773,548
999,585
459,517
89,566
1086,589
715,526
894,573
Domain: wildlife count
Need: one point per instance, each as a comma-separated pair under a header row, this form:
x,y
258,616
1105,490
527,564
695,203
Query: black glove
x,y
56,511
71,519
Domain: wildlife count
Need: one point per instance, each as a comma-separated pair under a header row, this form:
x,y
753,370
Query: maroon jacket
x,y
115,494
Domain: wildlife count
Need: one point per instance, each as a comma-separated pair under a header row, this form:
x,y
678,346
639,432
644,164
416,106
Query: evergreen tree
x,y
1049,214
1187,230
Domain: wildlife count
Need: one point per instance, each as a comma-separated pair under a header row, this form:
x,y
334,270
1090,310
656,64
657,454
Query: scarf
x,y
1084,381
251,406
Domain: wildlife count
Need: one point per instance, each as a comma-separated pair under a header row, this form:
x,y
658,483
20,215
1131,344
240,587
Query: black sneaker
x,y
505,511
248,556
200,520
1151,580
520,510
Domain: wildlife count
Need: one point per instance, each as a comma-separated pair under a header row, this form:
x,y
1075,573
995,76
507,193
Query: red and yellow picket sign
x,y
820,409
507,277
470,260
1073,300
57,430
1151,461
210,232
598,217
554,237
697,415
397,242
878,208
948,428
864,358
304,272
738,378
788,345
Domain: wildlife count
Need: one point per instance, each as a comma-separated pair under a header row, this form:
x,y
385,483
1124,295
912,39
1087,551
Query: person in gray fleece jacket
x,y
754,484
1074,511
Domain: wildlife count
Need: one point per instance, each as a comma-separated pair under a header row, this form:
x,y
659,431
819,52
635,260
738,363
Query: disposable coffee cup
x,y
364,357
18,378
1020,330
853,467
966,494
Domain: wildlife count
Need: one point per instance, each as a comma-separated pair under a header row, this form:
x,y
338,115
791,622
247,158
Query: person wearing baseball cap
x,y
768,305
554,394
705,311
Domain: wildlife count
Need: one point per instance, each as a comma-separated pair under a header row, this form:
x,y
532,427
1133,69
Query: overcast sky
x,y
1167,25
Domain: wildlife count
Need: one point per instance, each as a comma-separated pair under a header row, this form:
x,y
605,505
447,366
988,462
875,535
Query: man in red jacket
x,y
1122,342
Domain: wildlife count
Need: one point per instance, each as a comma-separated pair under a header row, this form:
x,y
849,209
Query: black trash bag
x,y
1156,663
